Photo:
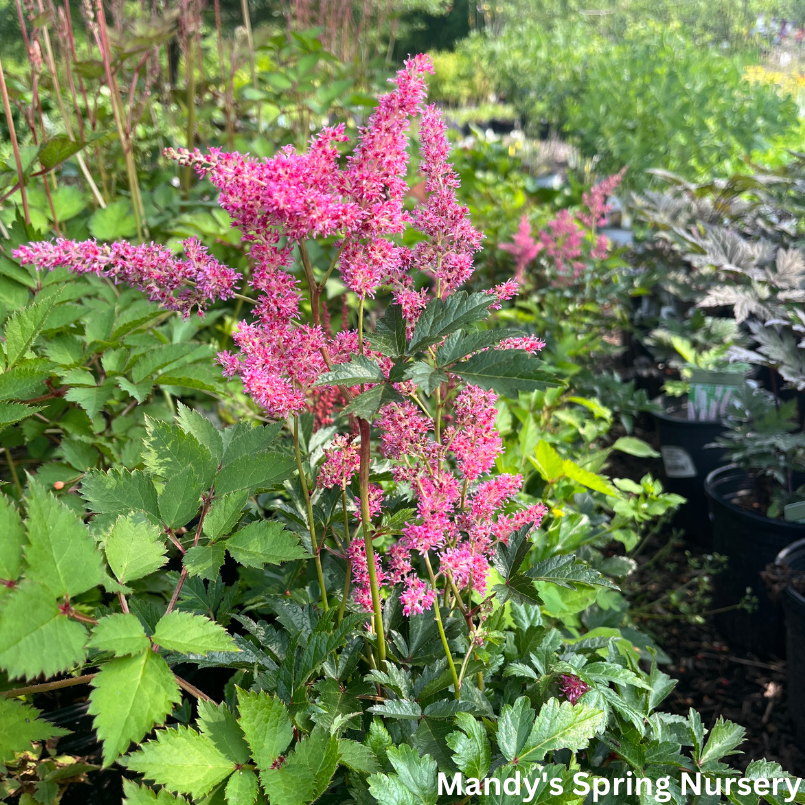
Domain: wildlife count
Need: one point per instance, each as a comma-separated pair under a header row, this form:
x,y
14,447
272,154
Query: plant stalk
x,y
15,146
438,616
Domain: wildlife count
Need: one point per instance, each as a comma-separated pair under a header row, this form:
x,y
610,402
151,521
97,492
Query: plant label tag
x,y
795,512
677,462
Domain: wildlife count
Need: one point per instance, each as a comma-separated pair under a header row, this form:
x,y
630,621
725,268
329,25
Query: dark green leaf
x,y
506,371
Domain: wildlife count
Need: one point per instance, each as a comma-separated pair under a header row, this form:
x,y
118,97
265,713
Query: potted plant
x,y
747,500
693,406
789,579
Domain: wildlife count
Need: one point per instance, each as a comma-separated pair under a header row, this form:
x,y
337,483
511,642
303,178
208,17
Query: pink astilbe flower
x,y
341,462
596,200
473,439
452,240
528,343
523,248
177,284
513,522
572,688
562,243
375,500
418,597
601,248
503,292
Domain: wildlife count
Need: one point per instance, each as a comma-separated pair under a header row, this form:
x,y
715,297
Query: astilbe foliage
x,y
279,204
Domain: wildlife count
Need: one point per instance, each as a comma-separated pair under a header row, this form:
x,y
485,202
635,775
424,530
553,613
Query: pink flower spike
x,y
572,688
417,597
524,249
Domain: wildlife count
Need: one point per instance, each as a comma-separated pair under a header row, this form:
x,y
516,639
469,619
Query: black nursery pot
x,y
794,609
687,462
750,541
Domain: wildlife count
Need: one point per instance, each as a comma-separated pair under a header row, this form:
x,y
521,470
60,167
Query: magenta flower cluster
x,y
278,204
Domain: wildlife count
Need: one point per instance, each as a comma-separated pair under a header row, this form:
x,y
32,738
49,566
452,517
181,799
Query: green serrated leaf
x,y
35,637
120,633
169,450
130,695
567,572
205,560
459,344
191,634
266,725
134,794
24,381
589,479
224,514
23,328
182,761
20,725
119,492
389,335
357,757
473,754
135,547
91,399
635,447
206,433
360,369
444,316
254,471
114,222
561,725
724,738
548,461
506,371
414,782
10,413
367,404
220,725
307,772
60,555
264,543
12,540
242,788
180,498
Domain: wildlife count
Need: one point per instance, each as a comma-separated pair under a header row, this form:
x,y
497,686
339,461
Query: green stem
x,y
13,469
310,521
456,681
190,132
366,523
360,325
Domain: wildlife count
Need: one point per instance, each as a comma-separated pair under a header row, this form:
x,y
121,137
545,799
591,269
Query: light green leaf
x,y
130,695
414,774
15,412
561,726
191,421
25,380
242,788
220,725
357,757
134,794
119,491
635,447
61,555
514,727
113,223
135,547
92,399
139,391
307,772
506,371
121,634
191,634
589,479
610,672
473,754
548,461
19,725
12,540
57,149
264,543
265,724
182,761
225,513
205,560
724,738
180,498
169,450
24,326
360,369
254,471
35,637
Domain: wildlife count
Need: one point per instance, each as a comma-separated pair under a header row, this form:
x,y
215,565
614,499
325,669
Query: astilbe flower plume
x,y
177,284
523,248
460,512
